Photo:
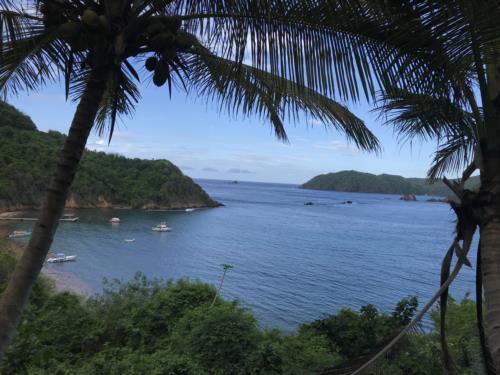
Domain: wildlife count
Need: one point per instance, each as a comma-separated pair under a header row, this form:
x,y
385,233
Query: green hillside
x,y
28,156
353,181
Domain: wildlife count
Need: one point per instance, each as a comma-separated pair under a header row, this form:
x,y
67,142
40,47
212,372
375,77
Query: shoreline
x,y
12,212
61,281
66,282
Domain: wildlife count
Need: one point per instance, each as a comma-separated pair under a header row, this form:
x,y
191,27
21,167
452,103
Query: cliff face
x,y
28,157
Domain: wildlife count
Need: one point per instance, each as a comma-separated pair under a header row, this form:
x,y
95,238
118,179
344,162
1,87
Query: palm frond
x,y
340,48
424,116
453,155
427,117
119,99
248,90
29,63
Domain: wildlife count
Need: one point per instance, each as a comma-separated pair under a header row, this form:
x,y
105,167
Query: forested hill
x,y
354,181
28,157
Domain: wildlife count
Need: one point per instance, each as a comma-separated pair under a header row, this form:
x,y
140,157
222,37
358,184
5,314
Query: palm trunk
x,y
219,288
490,206
28,267
490,253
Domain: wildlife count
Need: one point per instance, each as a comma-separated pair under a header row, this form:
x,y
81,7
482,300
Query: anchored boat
x,y
19,233
69,218
61,257
162,227
115,220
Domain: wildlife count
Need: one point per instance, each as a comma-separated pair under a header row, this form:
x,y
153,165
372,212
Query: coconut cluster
x,y
160,35
77,33
165,39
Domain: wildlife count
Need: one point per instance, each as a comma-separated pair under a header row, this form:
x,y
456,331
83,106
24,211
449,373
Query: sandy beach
x,y
62,281
65,282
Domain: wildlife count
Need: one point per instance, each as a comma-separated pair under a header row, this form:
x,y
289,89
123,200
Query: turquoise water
x,y
292,263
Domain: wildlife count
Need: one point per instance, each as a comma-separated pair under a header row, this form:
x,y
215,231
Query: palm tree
x,y
443,83
226,267
263,57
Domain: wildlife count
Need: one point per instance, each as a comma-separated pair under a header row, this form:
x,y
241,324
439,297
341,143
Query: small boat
x,y
162,227
190,209
115,220
129,241
70,218
61,257
19,233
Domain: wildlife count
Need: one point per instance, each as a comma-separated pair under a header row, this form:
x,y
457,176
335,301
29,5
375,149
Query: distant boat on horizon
x,y
115,220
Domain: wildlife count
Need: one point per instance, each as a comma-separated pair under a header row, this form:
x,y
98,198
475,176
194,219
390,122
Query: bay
x,y
293,263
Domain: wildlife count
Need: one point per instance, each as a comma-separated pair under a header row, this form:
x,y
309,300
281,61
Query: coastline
x,y
65,282
10,211
61,281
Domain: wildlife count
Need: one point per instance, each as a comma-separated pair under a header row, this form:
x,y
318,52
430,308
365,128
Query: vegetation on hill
x,y
354,181
11,116
154,327
104,180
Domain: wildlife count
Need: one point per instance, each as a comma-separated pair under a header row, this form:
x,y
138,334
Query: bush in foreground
x,y
168,328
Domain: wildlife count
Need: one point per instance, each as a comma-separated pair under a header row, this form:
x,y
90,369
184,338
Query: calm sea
x,y
292,262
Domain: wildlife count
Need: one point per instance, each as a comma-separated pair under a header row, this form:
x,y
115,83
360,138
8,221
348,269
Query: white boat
x,y
69,218
60,257
129,241
19,233
115,220
190,209
162,227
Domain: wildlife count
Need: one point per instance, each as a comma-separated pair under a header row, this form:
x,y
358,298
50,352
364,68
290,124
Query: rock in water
x,y
409,197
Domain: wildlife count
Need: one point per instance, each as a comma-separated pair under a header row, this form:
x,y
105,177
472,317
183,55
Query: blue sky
x,y
205,144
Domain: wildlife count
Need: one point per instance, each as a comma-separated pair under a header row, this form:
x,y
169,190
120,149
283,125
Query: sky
x,y
204,143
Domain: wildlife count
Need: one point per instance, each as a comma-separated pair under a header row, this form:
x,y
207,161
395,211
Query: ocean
x,y
293,263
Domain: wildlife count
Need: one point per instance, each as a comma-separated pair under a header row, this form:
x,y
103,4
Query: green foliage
x,y
462,334
354,334
354,181
222,338
13,118
27,157
168,328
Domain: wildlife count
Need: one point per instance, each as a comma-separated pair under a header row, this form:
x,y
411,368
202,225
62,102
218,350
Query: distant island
x,y
28,157
354,181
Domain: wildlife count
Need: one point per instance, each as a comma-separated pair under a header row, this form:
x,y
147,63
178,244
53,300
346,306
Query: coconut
x,y
151,63
70,30
91,19
104,23
161,41
161,74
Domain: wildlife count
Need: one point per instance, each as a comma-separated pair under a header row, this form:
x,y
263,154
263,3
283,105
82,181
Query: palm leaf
x,y
453,155
240,88
120,98
428,117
